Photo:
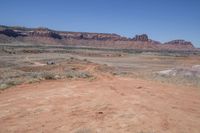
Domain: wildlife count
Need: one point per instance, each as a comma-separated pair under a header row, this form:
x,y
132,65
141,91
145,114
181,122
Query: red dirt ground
x,y
107,105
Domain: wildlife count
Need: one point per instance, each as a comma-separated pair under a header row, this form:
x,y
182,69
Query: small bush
x,y
35,75
48,75
3,86
85,60
71,58
84,75
34,80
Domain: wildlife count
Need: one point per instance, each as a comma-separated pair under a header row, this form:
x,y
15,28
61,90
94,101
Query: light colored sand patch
x,y
39,64
197,67
168,72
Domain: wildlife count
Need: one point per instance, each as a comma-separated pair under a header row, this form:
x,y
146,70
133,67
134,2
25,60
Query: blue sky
x,y
162,20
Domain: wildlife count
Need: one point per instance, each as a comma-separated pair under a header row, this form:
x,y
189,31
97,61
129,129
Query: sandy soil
x,y
107,104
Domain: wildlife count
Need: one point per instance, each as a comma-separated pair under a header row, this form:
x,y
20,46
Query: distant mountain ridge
x,y
85,39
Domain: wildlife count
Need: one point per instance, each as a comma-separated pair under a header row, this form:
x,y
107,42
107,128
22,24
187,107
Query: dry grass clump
x,y
77,74
44,75
47,75
7,83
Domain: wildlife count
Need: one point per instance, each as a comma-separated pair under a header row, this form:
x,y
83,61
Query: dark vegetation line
x,y
187,52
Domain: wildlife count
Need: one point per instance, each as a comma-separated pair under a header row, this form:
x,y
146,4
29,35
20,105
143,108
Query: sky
x,y
162,20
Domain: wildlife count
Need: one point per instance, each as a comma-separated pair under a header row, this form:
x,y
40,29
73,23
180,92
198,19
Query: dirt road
x,y
117,104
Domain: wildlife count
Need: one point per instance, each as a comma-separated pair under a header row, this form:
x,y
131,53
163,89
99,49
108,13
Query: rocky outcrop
x,y
11,33
44,32
180,43
90,36
143,38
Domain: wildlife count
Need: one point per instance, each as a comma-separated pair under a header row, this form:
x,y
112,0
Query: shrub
x,y
77,74
48,75
6,83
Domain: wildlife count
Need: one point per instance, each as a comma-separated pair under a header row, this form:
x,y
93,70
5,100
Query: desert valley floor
x,y
98,91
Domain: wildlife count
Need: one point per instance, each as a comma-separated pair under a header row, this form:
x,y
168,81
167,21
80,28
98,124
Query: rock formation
x,y
97,40
180,44
143,38
10,33
44,32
